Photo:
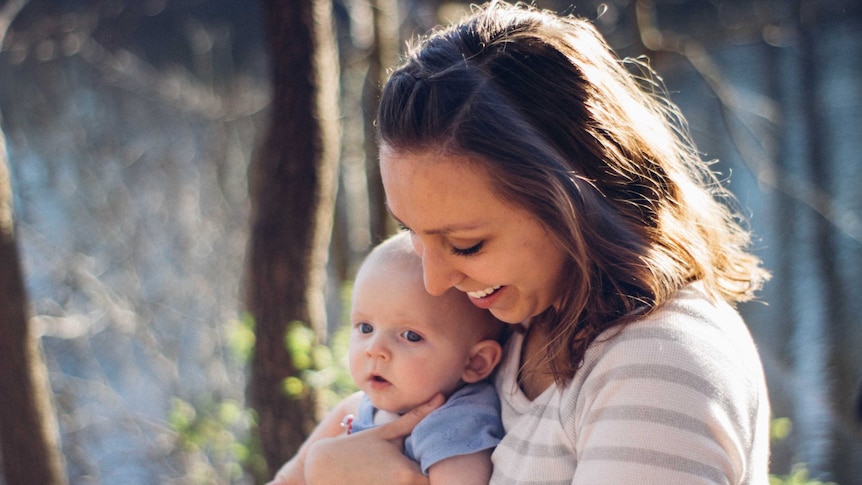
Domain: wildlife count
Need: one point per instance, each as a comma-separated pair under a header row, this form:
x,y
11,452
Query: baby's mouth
x,y
380,379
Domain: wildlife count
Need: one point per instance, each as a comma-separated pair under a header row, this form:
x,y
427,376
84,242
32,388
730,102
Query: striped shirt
x,y
678,397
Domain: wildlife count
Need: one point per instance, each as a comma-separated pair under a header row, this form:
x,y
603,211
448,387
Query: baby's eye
x,y
412,336
365,328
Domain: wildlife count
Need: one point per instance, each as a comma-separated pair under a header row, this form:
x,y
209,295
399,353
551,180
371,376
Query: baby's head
x,y
407,345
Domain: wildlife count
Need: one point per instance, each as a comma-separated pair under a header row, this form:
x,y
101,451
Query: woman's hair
x,y
593,150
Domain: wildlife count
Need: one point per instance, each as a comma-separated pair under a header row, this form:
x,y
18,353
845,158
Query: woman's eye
x,y
467,251
412,336
365,328
402,227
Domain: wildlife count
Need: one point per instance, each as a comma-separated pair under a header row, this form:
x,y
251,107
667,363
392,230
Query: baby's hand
x,y
347,424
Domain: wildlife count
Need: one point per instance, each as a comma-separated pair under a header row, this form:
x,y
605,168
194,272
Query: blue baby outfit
x,y
468,422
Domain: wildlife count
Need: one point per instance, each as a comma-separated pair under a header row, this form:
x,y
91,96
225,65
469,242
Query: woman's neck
x,y
535,374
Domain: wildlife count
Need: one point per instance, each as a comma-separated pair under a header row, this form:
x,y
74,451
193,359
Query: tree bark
x,y
382,56
292,192
28,426
29,440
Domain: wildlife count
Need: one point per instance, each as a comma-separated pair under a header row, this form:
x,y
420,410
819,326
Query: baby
x,y
405,347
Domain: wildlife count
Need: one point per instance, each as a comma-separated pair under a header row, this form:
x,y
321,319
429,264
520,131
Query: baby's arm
x,y
472,469
293,472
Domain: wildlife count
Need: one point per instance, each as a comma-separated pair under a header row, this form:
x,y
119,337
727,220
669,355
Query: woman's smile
x,y
483,293
486,299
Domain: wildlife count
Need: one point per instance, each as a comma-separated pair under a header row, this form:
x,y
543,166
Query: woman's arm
x,y
472,469
371,457
293,472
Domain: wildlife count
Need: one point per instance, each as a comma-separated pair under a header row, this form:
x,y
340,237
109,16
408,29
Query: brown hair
x,y
593,150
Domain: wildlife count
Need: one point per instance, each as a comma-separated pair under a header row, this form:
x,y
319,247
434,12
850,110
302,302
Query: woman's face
x,y
498,254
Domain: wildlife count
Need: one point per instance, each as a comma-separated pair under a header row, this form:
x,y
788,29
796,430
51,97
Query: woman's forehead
x,y
446,193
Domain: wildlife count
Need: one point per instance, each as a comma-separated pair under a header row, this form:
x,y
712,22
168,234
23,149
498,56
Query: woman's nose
x,y
438,272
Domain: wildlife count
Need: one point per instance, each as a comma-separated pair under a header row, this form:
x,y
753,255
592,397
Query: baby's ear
x,y
484,356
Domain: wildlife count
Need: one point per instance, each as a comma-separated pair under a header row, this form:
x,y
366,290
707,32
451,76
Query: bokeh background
x,y
130,126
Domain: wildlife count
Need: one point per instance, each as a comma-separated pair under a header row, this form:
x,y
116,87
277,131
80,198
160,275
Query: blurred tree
x,y
292,188
28,429
382,56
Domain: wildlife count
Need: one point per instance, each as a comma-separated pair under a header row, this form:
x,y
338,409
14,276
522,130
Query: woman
x,y
559,190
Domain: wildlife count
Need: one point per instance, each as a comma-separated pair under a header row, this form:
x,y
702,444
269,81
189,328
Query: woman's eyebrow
x,y
442,231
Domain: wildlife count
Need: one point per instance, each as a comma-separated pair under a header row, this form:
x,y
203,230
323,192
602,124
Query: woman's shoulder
x,y
691,319
691,340
684,379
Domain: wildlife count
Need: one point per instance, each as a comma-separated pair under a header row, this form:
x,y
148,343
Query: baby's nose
x,y
378,349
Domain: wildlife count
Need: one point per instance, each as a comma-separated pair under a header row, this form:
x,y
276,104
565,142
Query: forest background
x,y
193,185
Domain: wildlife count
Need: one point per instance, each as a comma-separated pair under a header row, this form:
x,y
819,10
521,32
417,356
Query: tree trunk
x,y
28,427
292,188
383,55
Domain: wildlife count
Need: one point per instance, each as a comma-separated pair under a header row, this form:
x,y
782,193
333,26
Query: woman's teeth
x,y
483,293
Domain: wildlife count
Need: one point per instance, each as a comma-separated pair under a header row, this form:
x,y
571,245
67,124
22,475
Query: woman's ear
x,y
484,357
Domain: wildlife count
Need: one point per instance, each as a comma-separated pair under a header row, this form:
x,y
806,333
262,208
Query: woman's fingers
x,y
403,426
364,458
369,457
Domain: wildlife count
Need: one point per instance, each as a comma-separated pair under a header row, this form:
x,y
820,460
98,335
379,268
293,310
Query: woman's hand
x,y
293,472
370,457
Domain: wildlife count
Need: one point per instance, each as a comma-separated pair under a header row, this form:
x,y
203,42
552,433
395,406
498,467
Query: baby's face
x,y
405,345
